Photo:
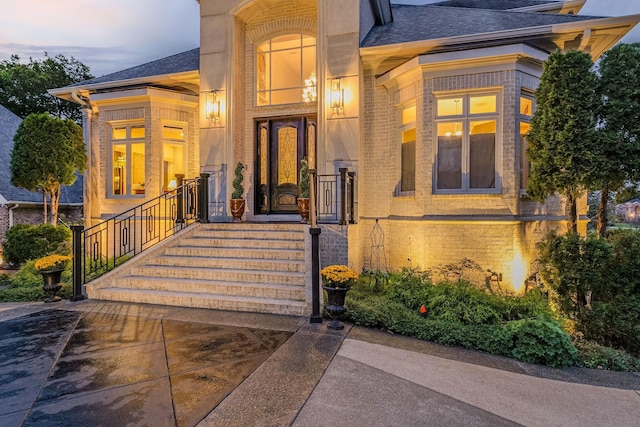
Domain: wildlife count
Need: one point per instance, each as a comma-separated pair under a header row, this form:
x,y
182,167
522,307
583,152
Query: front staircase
x,y
250,267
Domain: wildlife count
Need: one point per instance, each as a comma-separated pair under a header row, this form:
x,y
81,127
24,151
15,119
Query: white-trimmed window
x,y
286,69
527,107
127,159
173,155
408,149
467,143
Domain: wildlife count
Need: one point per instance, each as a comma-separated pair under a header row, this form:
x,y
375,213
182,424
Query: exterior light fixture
x,y
309,90
337,95
172,185
213,106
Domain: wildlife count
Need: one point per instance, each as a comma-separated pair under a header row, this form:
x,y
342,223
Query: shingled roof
x,y
427,22
178,63
9,123
494,4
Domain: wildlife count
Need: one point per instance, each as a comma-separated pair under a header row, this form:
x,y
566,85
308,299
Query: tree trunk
x,y
44,204
602,212
573,214
55,198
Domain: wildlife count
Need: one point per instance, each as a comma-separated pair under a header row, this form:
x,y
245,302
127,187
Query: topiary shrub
x,y
238,188
542,342
24,241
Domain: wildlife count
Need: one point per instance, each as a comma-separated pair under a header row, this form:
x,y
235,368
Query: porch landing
x,y
252,267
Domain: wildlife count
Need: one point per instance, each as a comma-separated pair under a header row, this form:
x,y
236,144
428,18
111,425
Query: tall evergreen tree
x,y
563,140
47,153
619,115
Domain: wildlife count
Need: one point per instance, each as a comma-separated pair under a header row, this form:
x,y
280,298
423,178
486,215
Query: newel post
x,y
316,317
76,236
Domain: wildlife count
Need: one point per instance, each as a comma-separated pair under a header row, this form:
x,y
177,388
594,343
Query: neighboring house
x,y
629,210
17,205
428,106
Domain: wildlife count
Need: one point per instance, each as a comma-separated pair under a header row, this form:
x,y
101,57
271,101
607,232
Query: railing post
x,y
180,199
316,317
203,198
343,196
76,233
352,181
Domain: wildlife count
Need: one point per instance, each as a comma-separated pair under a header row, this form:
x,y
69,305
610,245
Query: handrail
x,y
108,244
335,197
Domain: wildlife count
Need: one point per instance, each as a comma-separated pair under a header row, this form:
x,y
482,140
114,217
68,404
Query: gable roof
x,y
9,123
496,4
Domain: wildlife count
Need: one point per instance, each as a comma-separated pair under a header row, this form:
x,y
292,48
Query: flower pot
x,y
335,306
237,209
52,284
303,210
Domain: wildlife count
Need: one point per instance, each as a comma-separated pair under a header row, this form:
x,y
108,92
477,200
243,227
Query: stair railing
x,y
108,244
335,197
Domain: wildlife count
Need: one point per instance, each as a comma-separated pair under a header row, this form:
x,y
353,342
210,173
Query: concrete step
x,y
256,290
241,242
221,274
257,234
231,263
229,252
201,300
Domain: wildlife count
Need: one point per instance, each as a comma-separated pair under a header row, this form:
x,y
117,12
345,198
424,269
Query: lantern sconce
x,y
337,95
213,106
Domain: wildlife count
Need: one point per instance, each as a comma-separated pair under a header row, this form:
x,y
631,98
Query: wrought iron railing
x,y
104,246
335,199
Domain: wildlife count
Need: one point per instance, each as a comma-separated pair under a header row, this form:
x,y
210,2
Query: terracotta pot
x,y
237,209
303,209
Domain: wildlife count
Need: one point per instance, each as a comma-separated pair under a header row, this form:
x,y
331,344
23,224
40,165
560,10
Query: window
x,y
466,156
408,149
173,160
526,111
286,70
127,160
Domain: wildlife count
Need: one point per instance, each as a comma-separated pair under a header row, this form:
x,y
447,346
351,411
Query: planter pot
x,y
237,209
335,306
51,284
303,209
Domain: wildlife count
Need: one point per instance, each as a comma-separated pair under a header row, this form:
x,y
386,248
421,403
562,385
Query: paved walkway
x,y
94,363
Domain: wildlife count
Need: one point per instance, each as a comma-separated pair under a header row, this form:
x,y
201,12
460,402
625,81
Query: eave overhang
x,y
594,36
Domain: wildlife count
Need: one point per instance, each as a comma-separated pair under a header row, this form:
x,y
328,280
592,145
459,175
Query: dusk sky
x,y
118,34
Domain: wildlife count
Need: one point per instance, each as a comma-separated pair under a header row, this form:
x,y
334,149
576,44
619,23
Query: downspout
x,y
15,205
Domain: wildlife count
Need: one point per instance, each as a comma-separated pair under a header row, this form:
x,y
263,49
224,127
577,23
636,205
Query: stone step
x,y
263,264
257,290
252,226
221,274
241,242
257,234
229,252
201,300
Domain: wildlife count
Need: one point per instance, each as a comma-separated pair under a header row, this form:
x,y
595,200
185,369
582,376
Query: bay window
x,y
127,160
526,112
173,158
467,144
408,149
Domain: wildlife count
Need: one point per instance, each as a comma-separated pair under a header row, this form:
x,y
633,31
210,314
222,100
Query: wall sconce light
x,y
337,95
213,106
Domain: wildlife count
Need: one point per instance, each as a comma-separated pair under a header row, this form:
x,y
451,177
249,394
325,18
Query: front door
x,y
281,145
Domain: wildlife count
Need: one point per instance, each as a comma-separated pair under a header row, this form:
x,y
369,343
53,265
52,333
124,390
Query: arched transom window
x,y
286,69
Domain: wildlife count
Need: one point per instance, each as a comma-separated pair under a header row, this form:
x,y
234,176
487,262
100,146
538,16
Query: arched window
x,y
286,70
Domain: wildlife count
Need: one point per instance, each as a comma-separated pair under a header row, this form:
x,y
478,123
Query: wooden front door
x,y
281,145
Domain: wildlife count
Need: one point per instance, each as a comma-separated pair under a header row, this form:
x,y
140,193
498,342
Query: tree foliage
x,y
47,153
23,86
619,123
563,140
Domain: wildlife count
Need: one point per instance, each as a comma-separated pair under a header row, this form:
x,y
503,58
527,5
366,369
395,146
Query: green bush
x,y
26,285
542,342
24,242
594,355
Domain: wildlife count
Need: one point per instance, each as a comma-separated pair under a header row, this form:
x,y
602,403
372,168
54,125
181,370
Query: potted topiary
x,y
337,279
303,192
237,202
51,268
